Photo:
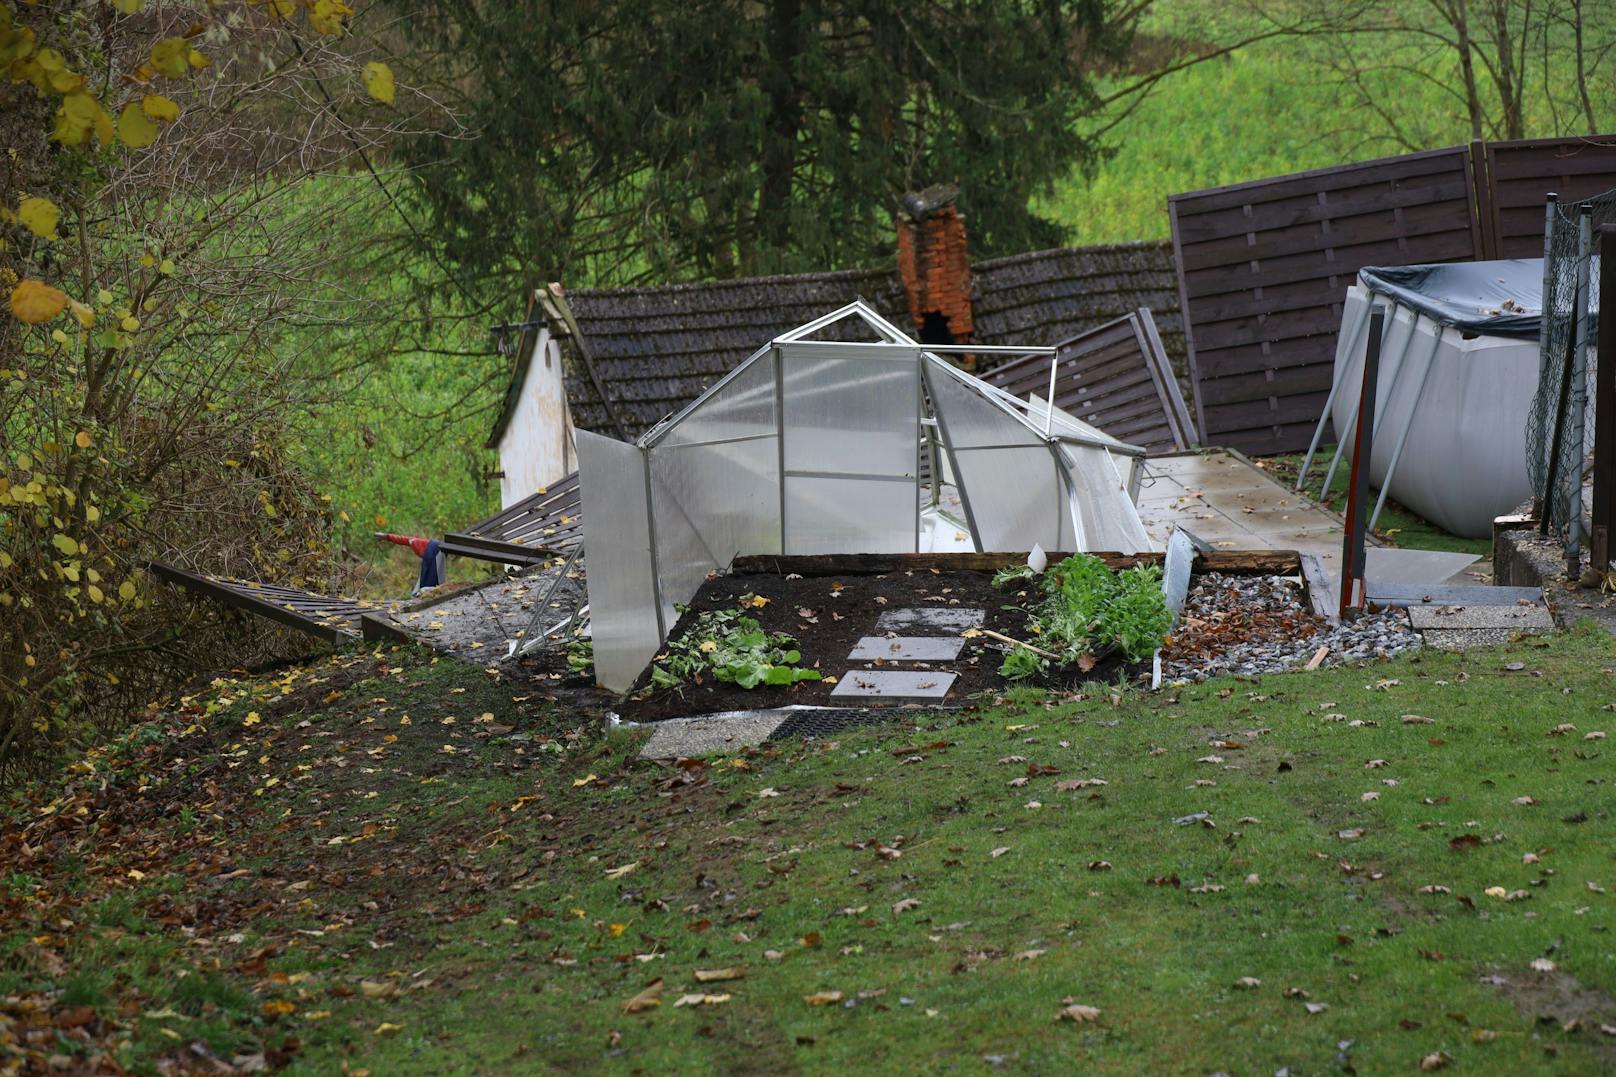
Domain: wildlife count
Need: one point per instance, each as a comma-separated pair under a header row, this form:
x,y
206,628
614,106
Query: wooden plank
x,y
1161,368
1232,562
375,629
1185,315
1316,587
1401,168
241,596
1314,208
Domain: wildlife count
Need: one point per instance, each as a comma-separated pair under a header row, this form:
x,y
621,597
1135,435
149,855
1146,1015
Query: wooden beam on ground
x,y
310,613
1321,598
374,629
1232,562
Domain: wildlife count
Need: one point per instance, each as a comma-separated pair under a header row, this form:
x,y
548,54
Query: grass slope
x,y
352,879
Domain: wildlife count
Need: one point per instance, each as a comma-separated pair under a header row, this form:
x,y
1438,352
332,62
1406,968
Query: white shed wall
x,y
538,446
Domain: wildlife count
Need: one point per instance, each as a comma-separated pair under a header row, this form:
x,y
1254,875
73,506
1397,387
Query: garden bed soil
x,y
827,615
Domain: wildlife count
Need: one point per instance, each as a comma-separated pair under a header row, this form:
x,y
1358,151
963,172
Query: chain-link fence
x,y
1556,430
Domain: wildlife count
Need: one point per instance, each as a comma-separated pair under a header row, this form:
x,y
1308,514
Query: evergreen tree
x,y
608,141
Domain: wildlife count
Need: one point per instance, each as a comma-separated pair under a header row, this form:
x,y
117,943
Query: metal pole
x,y
1049,413
1379,405
1402,438
1352,551
1604,508
1329,401
1579,392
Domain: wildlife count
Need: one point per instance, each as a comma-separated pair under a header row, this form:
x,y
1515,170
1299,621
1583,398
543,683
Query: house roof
x,y
655,349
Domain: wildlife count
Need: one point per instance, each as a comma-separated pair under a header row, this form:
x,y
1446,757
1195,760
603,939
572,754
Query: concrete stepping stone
x,y
893,684
907,648
711,734
1512,618
947,620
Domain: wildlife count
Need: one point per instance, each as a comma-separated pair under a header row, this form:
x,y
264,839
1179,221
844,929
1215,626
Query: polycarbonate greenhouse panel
x,y
1016,497
711,502
1099,489
1005,470
741,406
841,515
857,415
617,534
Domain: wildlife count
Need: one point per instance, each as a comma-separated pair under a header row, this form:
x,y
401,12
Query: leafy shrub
x,y
581,655
735,649
1087,608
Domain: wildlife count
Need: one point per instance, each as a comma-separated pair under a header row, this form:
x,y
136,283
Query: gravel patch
x,y
1248,625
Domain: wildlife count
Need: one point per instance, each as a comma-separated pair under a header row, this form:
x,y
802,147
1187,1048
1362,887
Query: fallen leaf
x,y
645,1000
1078,1014
712,976
906,904
1435,1060
700,1000
822,998
1248,983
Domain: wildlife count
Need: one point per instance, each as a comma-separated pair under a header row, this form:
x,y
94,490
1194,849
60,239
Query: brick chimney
x,y
934,266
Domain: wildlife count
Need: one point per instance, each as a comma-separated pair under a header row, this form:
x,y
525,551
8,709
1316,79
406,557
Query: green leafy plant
x,y
735,649
1022,663
1087,608
581,655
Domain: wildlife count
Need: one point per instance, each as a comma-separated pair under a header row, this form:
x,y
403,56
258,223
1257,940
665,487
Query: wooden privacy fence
x,y
1263,267
1116,377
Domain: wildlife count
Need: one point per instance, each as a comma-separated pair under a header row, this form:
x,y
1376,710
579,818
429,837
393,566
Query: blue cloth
x,y
432,566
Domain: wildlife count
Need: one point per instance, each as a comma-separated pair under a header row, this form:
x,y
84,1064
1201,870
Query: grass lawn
x,y
328,872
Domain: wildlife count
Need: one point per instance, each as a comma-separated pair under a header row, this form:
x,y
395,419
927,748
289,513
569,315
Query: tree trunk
x,y
1509,78
1459,19
1582,72
779,156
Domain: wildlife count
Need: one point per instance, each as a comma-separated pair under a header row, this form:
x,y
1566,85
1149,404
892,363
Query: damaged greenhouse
x,y
842,436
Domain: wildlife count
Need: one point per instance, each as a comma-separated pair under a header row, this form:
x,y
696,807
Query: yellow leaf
x,y
39,216
126,590
197,60
130,324
283,9
582,781
169,57
15,42
127,7
758,601
83,439
95,594
35,302
252,716
379,82
84,314
166,266
136,128
326,16
80,116
159,107
91,514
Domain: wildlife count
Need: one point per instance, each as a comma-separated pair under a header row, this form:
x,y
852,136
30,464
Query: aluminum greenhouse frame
x,y
815,446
